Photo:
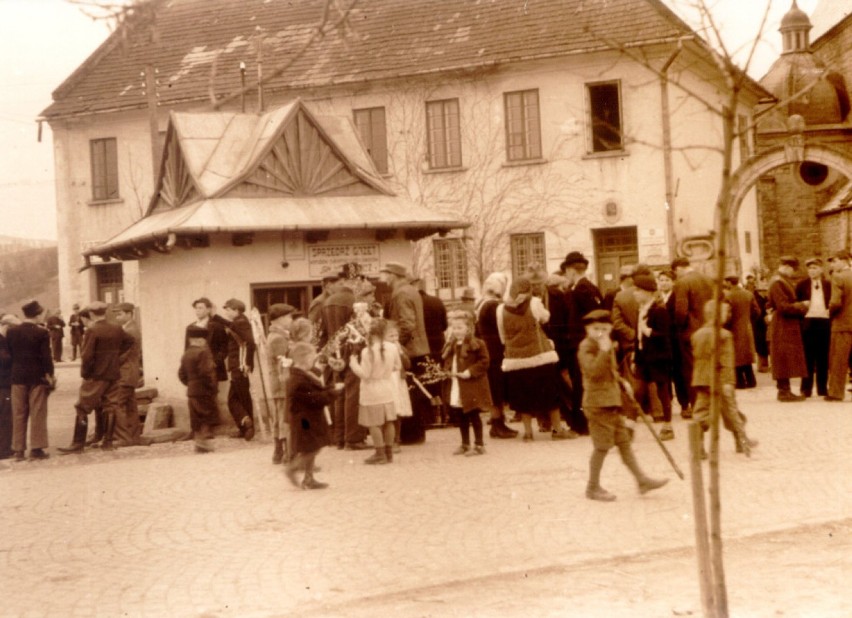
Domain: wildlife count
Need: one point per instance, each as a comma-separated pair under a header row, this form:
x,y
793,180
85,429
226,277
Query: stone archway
x,y
795,150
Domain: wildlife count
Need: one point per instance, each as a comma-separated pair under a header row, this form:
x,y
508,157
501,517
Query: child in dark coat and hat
x,y
602,402
198,373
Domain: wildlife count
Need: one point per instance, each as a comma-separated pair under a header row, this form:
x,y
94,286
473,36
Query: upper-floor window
x,y
104,169
523,125
604,101
527,249
444,133
371,126
450,264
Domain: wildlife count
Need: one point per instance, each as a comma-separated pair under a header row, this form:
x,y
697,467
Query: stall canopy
x,y
285,170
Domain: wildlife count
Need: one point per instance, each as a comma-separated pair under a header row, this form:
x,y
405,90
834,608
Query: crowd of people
x,y
367,371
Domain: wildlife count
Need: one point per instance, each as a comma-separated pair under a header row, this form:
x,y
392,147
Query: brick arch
x,y
777,156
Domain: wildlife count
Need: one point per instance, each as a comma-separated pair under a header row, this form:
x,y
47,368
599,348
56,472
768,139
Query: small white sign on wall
x,y
324,259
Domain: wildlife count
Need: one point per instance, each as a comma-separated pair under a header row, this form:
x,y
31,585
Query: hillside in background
x,y
27,273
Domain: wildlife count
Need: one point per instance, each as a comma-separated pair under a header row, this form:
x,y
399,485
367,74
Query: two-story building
x,y
547,125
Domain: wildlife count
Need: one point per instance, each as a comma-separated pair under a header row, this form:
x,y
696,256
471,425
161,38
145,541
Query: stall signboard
x,y
325,259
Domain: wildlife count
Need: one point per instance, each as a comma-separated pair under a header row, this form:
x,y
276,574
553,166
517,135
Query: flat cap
x,y
814,261
97,307
598,315
645,282
235,304
126,307
789,260
279,310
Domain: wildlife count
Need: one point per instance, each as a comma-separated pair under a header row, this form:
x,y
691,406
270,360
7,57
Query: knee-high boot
x,y
78,442
99,428
109,430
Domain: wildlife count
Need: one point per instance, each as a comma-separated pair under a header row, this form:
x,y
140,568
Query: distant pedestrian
x,y
743,308
785,331
75,327
816,330
198,373
307,396
32,381
56,327
378,366
240,362
466,361
602,401
217,341
840,309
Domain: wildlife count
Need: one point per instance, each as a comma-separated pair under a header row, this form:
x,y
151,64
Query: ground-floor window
x,y
298,294
450,264
109,281
527,249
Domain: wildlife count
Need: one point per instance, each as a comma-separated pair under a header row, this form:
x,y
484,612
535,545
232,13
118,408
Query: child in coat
x,y
378,367
602,403
307,397
466,361
403,401
702,377
198,372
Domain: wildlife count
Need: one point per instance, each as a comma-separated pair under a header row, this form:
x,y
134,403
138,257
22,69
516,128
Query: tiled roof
x,y
381,39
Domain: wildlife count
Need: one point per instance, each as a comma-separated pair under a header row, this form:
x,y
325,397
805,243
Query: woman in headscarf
x,y
530,361
485,311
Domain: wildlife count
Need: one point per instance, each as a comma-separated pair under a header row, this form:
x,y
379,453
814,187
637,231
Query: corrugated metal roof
x,y
280,214
380,39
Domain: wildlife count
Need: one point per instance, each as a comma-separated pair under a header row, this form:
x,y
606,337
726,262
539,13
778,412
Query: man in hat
x,y
7,320
32,381
100,367
281,316
75,326
584,297
691,291
240,363
406,309
840,309
602,401
128,429
785,331
816,331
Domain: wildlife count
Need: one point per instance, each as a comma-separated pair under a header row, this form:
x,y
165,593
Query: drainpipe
x,y
667,150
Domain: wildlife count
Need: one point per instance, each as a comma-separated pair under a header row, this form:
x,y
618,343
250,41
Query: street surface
x,y
162,531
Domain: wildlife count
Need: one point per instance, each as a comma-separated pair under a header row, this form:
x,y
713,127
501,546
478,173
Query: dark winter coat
x,y
435,320
487,331
654,355
102,349
131,360
743,309
217,341
5,365
585,297
558,327
472,356
308,397
785,331
29,345
691,292
198,372
840,305
240,344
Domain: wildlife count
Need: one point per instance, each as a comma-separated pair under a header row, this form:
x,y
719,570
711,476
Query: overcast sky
x,y
43,41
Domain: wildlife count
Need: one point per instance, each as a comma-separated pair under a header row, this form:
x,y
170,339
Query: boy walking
x,y
602,404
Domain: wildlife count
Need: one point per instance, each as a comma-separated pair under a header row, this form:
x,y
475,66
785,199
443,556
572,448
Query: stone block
x,y
159,416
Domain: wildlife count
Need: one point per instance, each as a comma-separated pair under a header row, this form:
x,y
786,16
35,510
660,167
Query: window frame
x,y
530,136
536,255
455,272
592,138
371,141
103,160
447,140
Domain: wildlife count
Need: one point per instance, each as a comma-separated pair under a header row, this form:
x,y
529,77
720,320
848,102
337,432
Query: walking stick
x,y
627,392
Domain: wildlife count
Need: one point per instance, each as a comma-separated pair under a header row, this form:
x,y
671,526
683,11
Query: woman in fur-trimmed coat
x,y
529,359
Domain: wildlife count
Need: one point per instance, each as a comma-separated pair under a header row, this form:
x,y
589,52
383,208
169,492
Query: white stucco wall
x,y
169,283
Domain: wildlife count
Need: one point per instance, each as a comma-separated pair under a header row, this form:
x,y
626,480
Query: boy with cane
x,y
602,402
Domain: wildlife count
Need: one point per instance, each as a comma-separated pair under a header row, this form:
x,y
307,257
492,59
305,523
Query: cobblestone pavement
x,y
161,531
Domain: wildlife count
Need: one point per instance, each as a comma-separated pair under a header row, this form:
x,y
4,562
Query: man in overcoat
x,y
100,368
691,291
75,326
785,330
128,429
840,309
6,321
406,309
743,309
816,331
32,381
